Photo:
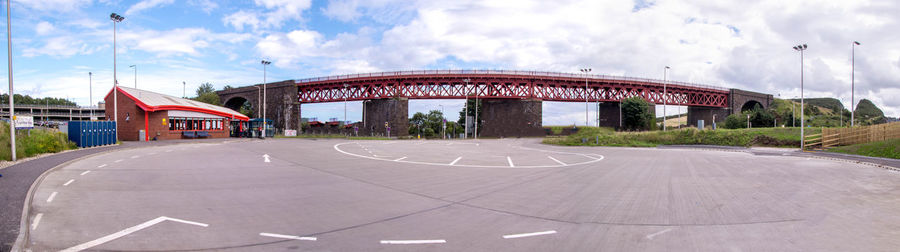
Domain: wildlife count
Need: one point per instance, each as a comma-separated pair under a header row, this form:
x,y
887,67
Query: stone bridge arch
x,y
281,99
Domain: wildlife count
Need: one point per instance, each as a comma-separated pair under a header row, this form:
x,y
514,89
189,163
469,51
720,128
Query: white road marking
x,y
69,182
266,158
120,160
101,166
36,221
85,172
560,162
52,196
650,236
509,159
151,153
513,236
127,231
403,242
135,156
290,237
168,150
449,143
592,159
400,159
455,160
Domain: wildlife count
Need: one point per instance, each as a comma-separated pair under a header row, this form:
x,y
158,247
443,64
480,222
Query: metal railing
x,y
507,72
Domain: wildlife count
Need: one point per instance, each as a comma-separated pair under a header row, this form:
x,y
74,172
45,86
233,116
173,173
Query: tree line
x,y
28,100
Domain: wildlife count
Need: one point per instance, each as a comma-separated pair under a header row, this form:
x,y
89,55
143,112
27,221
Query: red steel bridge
x,y
502,84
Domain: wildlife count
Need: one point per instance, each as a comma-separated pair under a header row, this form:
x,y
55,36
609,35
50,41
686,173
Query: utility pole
x,y
665,101
852,80
116,19
801,48
12,113
466,114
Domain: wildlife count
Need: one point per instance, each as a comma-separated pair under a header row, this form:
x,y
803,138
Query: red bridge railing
x,y
550,86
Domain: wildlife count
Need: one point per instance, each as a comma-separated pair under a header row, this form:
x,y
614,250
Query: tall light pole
x,y
475,132
443,123
665,101
116,19
852,80
12,121
266,63
466,114
90,96
135,74
183,89
801,48
586,71
345,101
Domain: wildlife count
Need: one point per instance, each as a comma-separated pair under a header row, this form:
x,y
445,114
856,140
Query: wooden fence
x,y
831,137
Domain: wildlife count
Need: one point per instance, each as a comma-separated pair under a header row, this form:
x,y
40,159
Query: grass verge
x,y
885,149
38,141
593,136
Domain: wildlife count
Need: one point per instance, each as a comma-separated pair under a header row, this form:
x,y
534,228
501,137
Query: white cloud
x,y
205,5
44,28
180,41
278,12
53,5
62,46
147,4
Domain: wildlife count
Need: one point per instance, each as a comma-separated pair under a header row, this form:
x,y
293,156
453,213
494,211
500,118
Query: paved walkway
x,y
17,179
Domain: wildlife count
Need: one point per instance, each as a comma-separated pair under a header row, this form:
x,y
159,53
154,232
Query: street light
x,y
475,132
665,101
12,121
266,63
345,102
466,114
801,48
586,71
443,123
90,96
852,79
183,88
116,19
135,74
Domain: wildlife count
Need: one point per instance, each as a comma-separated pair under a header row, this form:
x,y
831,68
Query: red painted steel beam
x,y
504,85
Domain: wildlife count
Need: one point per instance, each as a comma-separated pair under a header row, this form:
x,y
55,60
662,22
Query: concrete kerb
x,y
24,232
794,153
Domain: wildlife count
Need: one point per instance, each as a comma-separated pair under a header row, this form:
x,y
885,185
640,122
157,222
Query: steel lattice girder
x,y
506,86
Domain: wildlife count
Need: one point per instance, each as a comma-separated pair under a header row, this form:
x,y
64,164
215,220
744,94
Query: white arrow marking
x,y
128,231
650,236
266,157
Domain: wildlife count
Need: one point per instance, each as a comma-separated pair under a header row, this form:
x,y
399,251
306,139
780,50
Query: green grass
x,y
886,149
780,137
334,136
37,142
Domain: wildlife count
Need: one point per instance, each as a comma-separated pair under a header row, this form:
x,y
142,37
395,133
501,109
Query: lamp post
x,y
586,71
116,19
266,63
12,121
852,80
443,123
258,99
345,102
135,74
466,114
665,101
90,96
801,48
475,132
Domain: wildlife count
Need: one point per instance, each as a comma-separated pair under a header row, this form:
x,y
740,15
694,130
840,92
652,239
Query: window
x,y
179,123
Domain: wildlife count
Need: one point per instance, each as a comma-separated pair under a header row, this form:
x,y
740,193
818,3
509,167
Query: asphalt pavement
x,y
485,195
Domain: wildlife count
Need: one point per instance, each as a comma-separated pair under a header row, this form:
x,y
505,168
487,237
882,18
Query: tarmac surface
x,y
485,195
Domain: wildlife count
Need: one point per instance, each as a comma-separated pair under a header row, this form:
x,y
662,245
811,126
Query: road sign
x,y
24,122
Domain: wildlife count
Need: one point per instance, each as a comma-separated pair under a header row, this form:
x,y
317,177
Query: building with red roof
x,y
167,117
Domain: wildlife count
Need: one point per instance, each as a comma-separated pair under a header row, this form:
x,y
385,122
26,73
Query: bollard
x,y
597,141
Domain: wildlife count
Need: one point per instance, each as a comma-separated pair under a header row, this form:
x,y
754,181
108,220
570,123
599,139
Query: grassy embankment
x,y
779,137
886,149
38,142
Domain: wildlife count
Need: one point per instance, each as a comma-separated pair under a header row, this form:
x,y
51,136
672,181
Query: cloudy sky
x,y
744,45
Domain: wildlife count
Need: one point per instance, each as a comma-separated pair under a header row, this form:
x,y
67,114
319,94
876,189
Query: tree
x,y
207,93
431,123
760,117
736,121
471,112
636,114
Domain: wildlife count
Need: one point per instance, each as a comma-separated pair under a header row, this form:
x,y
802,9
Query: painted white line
x,y
509,159
513,236
135,156
125,232
52,196
400,159
650,236
151,153
36,221
69,182
101,166
560,162
404,242
449,143
455,160
85,172
120,160
289,237
168,150
266,158
337,147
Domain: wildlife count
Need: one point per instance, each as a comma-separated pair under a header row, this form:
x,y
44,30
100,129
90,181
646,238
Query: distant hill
x,y
829,103
867,111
